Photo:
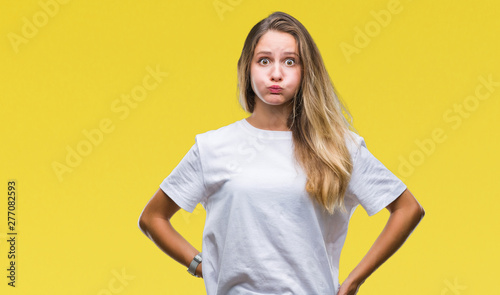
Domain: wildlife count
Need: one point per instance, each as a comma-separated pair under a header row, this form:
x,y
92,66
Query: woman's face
x,y
275,72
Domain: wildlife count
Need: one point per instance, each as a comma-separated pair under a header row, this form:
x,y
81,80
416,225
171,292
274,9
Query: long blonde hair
x,y
318,124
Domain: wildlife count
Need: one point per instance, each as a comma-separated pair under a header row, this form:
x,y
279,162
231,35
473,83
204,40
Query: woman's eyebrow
x,y
284,53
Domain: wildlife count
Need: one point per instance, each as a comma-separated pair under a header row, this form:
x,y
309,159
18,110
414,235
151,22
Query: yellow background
x,y
77,232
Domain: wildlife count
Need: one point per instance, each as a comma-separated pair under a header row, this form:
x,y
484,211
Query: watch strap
x,y
194,264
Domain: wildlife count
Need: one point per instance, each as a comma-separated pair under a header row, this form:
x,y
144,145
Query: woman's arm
x,y
154,222
406,213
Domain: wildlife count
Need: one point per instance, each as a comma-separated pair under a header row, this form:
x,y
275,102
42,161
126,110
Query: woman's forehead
x,y
276,42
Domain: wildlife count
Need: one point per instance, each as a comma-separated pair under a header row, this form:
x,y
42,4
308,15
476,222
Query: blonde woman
x,y
280,186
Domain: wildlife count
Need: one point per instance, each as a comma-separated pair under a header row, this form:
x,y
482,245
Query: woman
x,y
280,186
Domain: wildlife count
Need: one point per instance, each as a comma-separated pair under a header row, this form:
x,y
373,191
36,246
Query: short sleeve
x,y
185,185
372,184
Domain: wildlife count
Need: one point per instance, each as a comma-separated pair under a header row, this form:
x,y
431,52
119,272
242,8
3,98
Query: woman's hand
x,y
406,213
348,288
155,224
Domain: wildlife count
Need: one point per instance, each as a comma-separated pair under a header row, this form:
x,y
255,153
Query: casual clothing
x,y
263,233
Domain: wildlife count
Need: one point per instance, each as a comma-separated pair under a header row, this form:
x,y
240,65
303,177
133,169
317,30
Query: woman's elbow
x,y
418,213
142,223
422,212
414,209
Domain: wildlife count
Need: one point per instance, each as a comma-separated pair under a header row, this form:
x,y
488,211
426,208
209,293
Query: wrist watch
x,y
194,264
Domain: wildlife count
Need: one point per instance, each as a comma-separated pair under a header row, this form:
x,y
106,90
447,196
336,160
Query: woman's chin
x,y
274,99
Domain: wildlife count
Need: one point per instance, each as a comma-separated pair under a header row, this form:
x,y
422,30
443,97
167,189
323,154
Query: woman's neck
x,y
269,117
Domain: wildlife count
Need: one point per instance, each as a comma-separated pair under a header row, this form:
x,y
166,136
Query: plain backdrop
x,y
100,100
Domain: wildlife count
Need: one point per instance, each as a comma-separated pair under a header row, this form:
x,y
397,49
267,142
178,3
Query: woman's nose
x,y
276,73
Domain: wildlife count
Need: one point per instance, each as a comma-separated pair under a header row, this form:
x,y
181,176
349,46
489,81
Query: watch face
x,y
194,264
197,258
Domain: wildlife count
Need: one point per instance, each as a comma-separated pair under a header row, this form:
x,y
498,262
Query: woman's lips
x,y
275,89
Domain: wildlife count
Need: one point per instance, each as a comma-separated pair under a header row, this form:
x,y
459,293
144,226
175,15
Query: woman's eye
x,y
264,61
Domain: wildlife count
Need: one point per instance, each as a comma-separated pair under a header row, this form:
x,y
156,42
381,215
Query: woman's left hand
x,y
348,288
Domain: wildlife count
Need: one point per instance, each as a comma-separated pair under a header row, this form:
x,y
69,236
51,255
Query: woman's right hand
x,y
154,222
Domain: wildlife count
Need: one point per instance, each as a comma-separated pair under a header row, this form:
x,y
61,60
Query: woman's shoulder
x,y
220,135
354,140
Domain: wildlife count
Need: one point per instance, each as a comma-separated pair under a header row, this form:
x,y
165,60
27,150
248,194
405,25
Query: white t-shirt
x,y
263,233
